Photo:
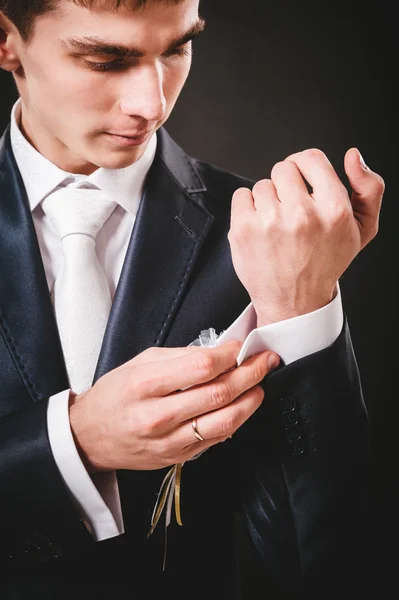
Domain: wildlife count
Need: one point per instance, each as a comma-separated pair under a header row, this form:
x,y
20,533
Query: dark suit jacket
x,y
296,473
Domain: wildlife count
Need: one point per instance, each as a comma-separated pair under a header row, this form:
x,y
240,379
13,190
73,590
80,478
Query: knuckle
x,y
314,154
229,425
235,346
293,226
148,354
204,364
380,183
262,186
259,371
149,351
141,386
300,218
340,211
220,394
282,167
130,387
242,191
151,423
270,221
144,425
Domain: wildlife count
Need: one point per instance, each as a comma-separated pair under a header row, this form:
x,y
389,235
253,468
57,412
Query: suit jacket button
x,y
287,404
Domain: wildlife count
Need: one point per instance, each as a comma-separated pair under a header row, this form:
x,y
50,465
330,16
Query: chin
x,y
120,161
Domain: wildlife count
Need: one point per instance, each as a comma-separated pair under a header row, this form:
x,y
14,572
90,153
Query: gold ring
x,y
196,432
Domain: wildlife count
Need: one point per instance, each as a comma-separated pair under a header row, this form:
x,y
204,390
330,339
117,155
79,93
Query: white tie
x,y
81,295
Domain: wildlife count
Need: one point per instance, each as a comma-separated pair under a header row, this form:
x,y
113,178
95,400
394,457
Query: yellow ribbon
x,y
177,493
172,476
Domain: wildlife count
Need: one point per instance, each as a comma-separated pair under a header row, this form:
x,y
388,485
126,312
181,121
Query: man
x,y
117,251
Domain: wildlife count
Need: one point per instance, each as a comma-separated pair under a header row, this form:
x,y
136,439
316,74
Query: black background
x,y
270,78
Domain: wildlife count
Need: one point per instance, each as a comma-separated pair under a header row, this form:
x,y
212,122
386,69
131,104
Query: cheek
x,y
67,87
175,80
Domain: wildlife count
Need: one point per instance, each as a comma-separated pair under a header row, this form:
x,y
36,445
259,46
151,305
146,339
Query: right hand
x,y
138,416
290,245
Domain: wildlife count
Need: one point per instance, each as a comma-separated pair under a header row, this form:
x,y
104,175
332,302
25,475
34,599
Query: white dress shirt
x,y
97,496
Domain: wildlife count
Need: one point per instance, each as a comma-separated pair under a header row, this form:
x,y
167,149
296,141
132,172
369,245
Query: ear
x,y
9,36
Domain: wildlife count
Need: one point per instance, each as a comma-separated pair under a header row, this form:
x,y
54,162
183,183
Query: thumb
x,y
367,192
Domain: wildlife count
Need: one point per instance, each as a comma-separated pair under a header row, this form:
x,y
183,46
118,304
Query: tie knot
x,y
78,210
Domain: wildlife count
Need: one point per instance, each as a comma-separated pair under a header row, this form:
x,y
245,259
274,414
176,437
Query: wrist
x,y
80,429
268,314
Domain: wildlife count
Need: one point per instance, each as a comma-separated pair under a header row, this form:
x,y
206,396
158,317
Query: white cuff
x,y
96,497
292,338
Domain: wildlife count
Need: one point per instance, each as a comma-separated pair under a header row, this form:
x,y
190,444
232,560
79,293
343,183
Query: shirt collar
x,y
41,176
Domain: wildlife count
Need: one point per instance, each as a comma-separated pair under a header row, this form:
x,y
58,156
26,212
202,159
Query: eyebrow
x,y
97,46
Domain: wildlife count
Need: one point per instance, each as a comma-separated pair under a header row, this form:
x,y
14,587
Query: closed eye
x,y
181,51
119,64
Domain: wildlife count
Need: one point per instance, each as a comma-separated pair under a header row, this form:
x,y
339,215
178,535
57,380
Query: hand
x,y
138,416
289,246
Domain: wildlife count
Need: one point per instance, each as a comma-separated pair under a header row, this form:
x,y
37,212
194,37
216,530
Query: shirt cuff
x,y
291,339
97,497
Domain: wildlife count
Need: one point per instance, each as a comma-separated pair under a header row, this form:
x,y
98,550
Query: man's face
x,y
77,98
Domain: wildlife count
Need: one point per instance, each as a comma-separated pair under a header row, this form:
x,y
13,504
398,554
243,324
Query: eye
x,y
181,51
104,66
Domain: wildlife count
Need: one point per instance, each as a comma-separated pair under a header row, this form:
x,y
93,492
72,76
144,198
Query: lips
x,y
128,141
132,135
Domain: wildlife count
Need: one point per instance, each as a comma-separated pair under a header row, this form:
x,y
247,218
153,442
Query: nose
x,y
143,94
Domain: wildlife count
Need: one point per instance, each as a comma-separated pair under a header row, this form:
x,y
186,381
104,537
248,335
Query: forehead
x,y
118,21
115,4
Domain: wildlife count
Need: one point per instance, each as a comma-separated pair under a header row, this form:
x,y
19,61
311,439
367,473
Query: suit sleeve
x,y
304,462
35,506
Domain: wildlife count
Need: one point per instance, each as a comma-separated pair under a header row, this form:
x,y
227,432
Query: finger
x,y
242,206
196,367
155,354
196,447
265,196
289,183
220,392
368,189
318,171
221,424
242,200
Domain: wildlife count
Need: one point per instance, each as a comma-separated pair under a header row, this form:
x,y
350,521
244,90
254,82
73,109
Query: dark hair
x,y
23,13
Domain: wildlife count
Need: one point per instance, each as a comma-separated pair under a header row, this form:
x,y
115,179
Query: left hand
x,y
290,246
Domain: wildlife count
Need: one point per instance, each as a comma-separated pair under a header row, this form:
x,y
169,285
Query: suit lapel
x,y
170,228
27,321
169,231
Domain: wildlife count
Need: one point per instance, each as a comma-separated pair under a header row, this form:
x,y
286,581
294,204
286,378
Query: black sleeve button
x,y
287,404
293,434
297,448
290,418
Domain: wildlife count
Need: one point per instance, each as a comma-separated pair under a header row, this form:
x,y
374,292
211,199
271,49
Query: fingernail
x,y
362,161
273,361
